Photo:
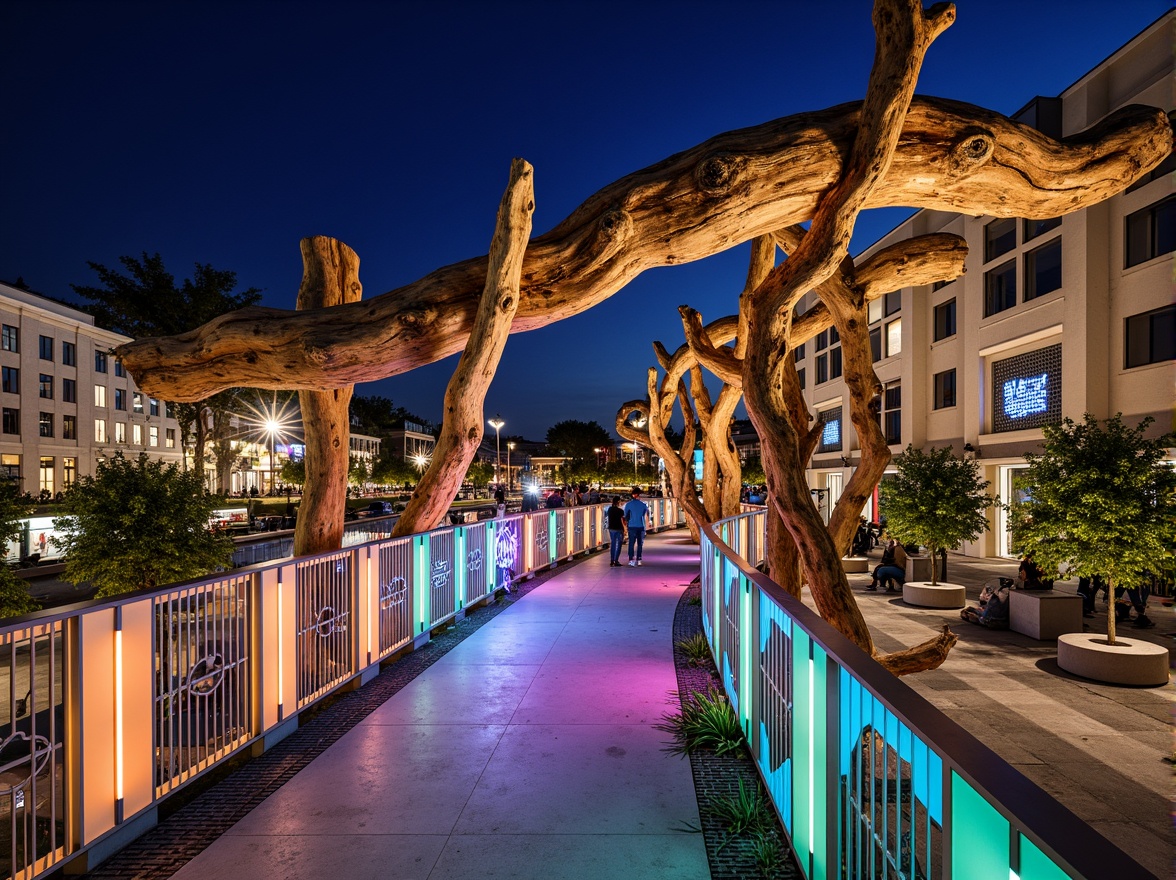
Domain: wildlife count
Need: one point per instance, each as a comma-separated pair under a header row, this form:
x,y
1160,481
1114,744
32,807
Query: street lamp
x,y
638,423
496,423
272,427
509,477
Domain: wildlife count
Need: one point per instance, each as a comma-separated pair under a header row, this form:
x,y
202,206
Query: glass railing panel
x,y
442,589
324,614
394,573
979,835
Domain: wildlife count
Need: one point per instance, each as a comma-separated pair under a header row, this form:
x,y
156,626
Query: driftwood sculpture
x,y
890,150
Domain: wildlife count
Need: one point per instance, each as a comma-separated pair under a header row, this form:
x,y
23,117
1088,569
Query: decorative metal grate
x,y
395,595
323,639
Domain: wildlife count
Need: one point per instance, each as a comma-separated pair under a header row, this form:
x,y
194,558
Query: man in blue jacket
x,y
636,514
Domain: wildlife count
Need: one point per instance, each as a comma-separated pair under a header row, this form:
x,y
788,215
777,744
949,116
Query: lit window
x,y
137,435
894,337
153,435
45,424
100,395
120,432
169,439
99,430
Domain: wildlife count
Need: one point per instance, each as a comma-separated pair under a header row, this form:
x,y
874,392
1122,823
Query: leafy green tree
x,y
479,474
1101,500
578,440
936,500
389,470
378,416
14,591
753,471
357,471
146,301
139,525
293,473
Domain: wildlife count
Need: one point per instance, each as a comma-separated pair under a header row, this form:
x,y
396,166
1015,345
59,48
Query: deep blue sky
x,y
224,132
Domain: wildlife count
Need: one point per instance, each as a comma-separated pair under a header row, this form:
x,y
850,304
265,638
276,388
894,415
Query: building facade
x,y
1053,318
65,402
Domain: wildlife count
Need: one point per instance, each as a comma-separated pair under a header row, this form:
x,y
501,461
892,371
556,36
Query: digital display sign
x,y
1027,390
830,430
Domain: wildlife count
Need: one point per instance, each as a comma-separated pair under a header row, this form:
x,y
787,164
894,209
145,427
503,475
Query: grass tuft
x,y
706,722
746,810
696,649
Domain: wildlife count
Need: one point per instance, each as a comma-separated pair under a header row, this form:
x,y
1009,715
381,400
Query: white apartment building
x,y
1052,318
65,402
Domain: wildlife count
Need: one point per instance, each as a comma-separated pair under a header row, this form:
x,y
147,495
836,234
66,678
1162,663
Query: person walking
x,y
615,519
636,513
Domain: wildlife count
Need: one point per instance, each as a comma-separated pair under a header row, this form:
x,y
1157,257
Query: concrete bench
x,y
1130,661
855,564
1044,614
925,595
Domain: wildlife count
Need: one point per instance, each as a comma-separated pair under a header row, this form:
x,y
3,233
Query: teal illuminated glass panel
x,y
1036,865
979,835
774,750
810,745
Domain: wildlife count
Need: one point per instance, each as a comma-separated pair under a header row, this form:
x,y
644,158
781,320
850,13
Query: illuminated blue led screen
x,y
698,464
1027,390
830,430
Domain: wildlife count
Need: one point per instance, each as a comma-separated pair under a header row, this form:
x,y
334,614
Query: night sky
x,y
223,133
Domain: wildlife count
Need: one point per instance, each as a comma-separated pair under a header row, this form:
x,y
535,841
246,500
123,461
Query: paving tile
x,y
312,857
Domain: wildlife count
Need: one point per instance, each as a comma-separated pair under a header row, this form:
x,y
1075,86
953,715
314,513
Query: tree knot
x,y
717,174
972,148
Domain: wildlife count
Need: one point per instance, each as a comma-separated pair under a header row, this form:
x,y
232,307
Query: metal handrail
x,y
868,778
110,705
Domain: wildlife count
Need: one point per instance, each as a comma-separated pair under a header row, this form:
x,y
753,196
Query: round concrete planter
x,y
924,595
1126,662
855,564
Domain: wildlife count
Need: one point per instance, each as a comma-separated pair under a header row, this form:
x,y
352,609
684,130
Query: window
x,y
169,440
799,353
100,395
118,368
799,376
894,337
45,424
69,354
1151,337
69,472
99,362
69,390
120,432
1151,232
10,467
945,394
893,303
835,362
822,368
873,311
137,398
154,404
822,341
120,398
46,386
99,430
939,285
828,364
153,436
830,421
1000,237
876,344
892,413
1043,269
137,435
945,320
47,468
10,380
11,421
1034,228
69,427
46,348
1000,288
9,338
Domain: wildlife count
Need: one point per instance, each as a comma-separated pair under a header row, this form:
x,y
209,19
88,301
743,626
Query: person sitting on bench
x,y
893,567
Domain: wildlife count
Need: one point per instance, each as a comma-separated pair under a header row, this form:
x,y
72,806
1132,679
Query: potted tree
x,y
1101,500
936,500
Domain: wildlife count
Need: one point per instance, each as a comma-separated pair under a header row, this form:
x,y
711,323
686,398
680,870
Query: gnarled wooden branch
x,y
462,421
330,276
921,658
738,185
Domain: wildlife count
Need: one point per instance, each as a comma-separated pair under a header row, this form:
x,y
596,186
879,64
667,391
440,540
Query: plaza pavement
x,y
1104,752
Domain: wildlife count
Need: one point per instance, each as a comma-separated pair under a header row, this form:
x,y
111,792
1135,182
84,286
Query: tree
x,y
753,471
146,301
293,473
1101,500
14,591
378,416
139,525
358,471
936,500
578,440
479,474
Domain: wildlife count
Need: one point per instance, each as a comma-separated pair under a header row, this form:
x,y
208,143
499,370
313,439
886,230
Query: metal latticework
x,y
323,638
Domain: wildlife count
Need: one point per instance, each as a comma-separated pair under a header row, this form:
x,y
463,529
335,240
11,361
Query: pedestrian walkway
x,y
1104,752
527,751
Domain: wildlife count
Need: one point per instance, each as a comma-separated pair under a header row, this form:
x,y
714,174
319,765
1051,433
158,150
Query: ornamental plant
x,y
14,591
1099,500
138,525
936,500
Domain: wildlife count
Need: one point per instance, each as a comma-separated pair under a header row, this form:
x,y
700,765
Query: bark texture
x,y
730,189
463,417
330,277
